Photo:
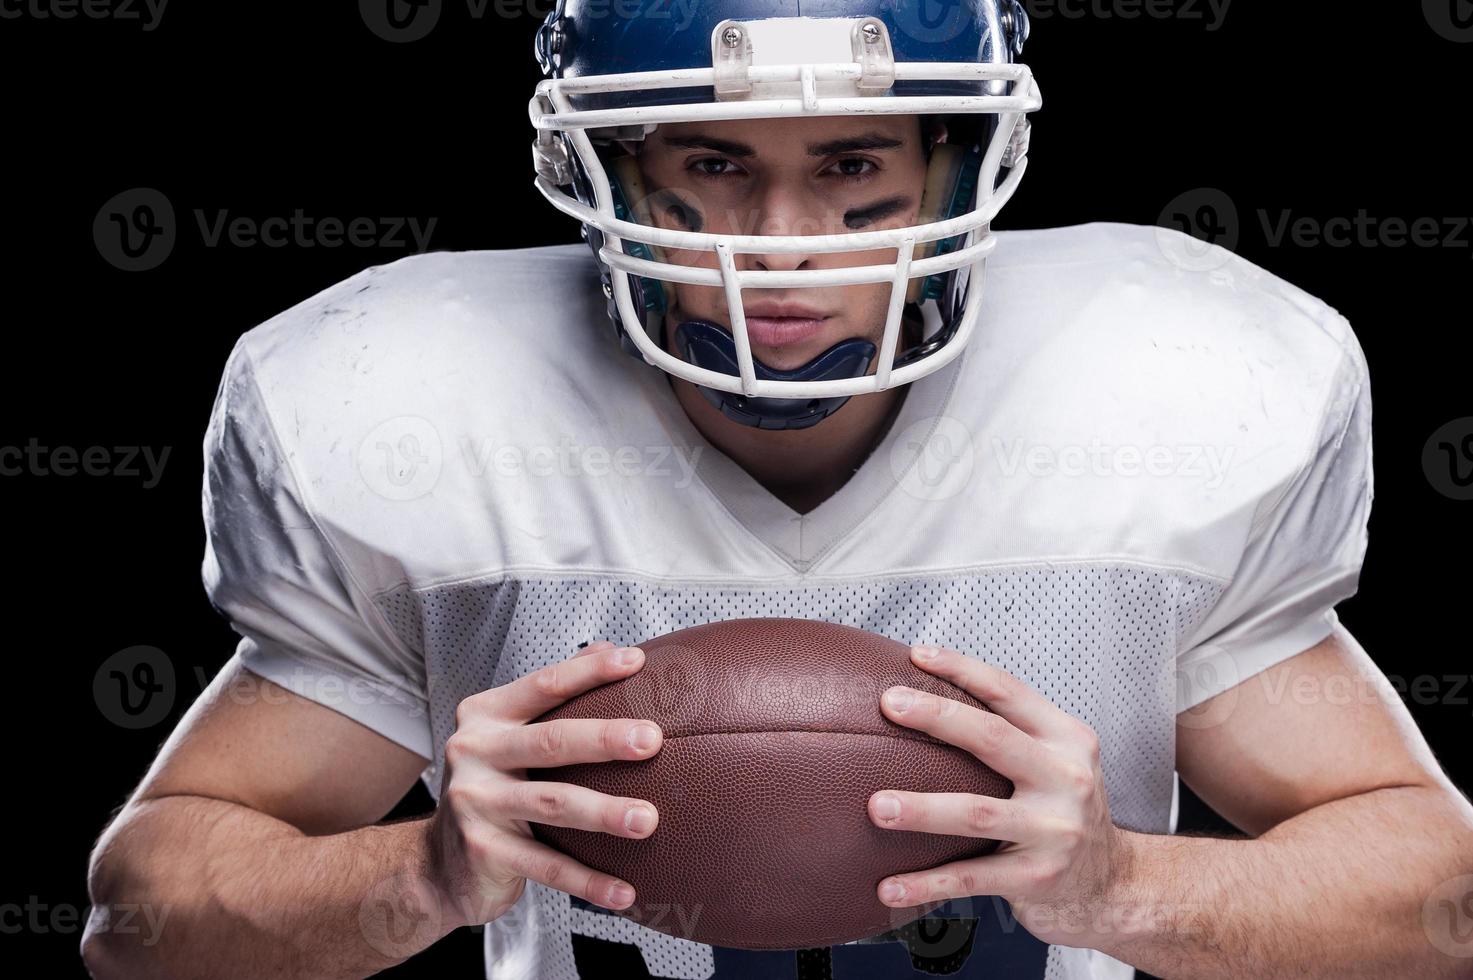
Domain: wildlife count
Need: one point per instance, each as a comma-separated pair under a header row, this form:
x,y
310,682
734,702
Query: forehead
x,y
781,137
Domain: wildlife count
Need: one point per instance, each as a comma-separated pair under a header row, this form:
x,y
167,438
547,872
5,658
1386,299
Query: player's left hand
x,y
1061,855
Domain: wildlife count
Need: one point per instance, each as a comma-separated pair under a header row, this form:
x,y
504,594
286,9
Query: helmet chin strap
x,y
709,346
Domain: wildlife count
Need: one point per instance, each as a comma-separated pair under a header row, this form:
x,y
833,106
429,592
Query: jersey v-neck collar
x,y
802,540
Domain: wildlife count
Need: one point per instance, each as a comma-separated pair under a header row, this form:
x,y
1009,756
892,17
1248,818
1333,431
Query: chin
x,y
791,358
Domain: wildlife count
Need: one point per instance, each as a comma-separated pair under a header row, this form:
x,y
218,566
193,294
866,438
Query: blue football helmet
x,y
616,72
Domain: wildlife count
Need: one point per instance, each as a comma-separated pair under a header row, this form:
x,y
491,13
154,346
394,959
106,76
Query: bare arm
x,y
250,849
1358,833
236,855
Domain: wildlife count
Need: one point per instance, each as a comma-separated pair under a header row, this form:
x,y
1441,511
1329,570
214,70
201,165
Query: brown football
x,y
774,742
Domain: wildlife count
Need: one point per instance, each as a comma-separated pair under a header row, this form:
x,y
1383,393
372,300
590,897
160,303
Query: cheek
x,y
906,218
872,300
873,304
698,302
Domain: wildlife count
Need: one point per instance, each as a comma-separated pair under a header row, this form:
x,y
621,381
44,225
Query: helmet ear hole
x,y
951,182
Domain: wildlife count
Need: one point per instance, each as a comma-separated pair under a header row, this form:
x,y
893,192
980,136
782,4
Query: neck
x,y
801,467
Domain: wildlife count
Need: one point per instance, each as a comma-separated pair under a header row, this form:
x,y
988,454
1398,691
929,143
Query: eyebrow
x,y
700,141
853,144
731,148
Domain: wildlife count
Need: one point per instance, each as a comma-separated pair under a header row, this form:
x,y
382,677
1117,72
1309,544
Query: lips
x,y
782,324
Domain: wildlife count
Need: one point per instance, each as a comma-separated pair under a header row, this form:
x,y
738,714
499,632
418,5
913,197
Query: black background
x,y
259,110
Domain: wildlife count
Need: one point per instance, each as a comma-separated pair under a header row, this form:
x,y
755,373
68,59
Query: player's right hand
x,y
481,846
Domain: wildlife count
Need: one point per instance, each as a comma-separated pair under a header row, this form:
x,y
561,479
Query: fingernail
x,y
899,699
642,738
891,892
628,656
638,819
924,653
620,894
887,807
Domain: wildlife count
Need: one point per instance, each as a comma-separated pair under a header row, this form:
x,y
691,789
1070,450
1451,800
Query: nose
x,y
781,211
779,262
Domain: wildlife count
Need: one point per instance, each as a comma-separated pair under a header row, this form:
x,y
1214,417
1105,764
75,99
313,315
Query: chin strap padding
x,y
709,346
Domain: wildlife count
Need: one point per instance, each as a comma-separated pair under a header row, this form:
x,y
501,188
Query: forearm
x,y
201,888
1337,891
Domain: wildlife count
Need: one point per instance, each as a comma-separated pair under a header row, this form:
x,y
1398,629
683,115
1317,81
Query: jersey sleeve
x,y
270,571
1303,554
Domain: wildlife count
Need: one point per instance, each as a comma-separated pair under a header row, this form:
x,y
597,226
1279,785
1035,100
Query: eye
x,y
714,167
854,168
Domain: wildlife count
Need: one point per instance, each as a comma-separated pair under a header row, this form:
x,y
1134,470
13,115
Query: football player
x,y
1111,481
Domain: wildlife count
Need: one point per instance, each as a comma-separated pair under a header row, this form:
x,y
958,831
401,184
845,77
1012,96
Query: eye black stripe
x,y
879,211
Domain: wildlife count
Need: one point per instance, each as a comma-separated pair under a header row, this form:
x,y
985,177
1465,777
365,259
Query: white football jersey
x,y
1147,479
